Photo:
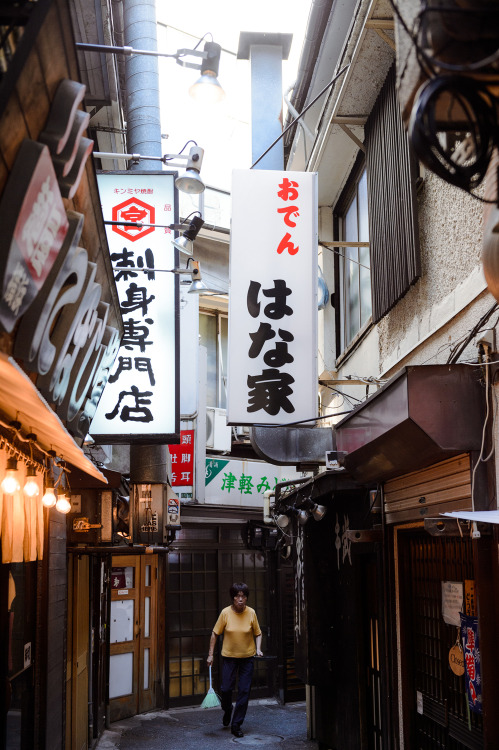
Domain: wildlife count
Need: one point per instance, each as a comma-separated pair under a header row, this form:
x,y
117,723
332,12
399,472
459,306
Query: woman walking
x,y
242,640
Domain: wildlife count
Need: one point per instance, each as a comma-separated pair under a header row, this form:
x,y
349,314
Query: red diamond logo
x,y
134,210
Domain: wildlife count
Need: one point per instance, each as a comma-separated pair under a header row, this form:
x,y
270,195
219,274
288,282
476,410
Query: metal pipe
x,y
142,81
148,463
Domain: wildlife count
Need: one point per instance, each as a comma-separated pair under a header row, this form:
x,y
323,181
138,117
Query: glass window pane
x,y
363,214
148,575
224,333
147,615
121,621
120,675
352,291
351,228
208,338
146,669
123,578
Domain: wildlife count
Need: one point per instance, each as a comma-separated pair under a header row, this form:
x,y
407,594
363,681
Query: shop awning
x,y
479,516
422,415
20,400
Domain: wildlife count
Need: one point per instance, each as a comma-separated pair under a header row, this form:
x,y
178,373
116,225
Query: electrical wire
x,y
455,354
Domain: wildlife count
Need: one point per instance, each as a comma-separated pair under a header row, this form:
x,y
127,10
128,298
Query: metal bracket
x,y
83,524
450,527
365,536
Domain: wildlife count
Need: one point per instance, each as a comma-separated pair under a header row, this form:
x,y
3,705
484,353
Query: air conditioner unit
x,y
218,434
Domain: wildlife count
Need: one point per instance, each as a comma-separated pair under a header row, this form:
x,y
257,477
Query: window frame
x,y
221,382
348,195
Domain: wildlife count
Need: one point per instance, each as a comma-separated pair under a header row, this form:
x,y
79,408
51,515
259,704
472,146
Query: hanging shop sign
x,y
182,459
141,400
239,482
471,650
452,602
50,298
272,372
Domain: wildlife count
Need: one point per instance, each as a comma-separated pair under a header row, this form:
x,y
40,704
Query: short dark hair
x,y
236,588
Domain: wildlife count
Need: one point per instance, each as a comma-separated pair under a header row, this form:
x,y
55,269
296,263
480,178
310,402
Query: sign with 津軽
x,y
141,399
272,369
240,482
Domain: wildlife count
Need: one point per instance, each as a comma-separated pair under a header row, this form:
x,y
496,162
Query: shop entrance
x,y
133,635
435,709
197,589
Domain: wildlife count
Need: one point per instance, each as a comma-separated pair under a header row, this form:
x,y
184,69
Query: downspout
x,y
142,82
320,11
148,463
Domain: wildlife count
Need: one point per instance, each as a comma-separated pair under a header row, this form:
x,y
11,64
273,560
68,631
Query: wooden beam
x,y
380,23
352,136
349,120
384,36
345,244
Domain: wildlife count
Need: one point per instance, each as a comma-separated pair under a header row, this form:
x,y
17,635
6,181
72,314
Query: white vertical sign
x,y
141,399
272,375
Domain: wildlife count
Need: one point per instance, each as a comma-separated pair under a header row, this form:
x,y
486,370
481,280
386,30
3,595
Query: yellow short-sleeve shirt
x,y
240,630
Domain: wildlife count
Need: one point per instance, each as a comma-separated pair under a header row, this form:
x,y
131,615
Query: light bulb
x,y
31,488
49,499
63,505
10,482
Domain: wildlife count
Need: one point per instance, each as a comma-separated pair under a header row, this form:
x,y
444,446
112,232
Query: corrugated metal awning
x,y
20,400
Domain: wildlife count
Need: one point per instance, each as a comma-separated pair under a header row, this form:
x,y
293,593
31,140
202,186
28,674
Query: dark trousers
x,y
243,669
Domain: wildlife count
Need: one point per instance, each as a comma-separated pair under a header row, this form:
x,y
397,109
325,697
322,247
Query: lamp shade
x,y
318,512
184,244
190,182
207,89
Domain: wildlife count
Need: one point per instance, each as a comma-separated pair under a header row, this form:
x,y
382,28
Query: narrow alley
x,y
267,724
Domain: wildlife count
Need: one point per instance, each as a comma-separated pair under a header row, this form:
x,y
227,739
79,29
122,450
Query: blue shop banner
x,y
471,651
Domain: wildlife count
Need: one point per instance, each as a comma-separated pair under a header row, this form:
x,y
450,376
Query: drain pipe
x,y
148,463
142,82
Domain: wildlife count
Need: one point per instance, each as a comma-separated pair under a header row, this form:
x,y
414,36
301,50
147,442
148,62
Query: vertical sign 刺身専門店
x,y
272,374
141,399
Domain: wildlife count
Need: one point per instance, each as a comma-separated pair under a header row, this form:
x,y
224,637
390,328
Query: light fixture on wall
x,y
190,182
31,488
185,243
318,512
62,504
206,89
10,482
49,498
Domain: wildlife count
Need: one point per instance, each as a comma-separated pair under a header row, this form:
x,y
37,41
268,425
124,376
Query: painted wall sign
x,y
49,287
141,399
239,482
272,373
